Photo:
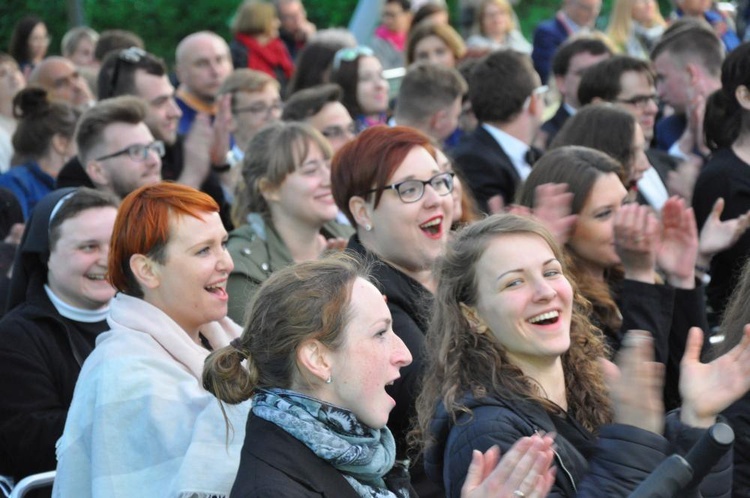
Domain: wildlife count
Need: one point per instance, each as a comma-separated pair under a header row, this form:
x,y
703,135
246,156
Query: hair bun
x,y
30,101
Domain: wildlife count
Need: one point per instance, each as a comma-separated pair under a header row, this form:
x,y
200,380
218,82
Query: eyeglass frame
x,y
156,146
450,176
349,54
132,55
265,110
640,101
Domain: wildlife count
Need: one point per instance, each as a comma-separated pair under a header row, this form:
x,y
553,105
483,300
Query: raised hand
x,y
636,383
552,206
197,152
679,243
717,235
708,388
523,471
636,241
222,126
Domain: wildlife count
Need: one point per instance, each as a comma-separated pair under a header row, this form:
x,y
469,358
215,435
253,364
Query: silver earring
x,y
329,380
368,227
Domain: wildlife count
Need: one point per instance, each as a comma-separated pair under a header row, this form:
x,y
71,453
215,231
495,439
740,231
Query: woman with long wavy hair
x,y
511,352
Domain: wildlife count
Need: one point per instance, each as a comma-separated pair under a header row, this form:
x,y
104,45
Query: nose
x,y
651,107
401,356
104,256
430,196
174,109
225,264
543,291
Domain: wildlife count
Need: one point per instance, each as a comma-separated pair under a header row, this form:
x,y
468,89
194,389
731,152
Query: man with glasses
x,y
496,157
117,149
62,81
575,16
254,102
320,106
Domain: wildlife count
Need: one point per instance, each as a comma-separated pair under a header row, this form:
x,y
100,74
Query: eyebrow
x,y
520,270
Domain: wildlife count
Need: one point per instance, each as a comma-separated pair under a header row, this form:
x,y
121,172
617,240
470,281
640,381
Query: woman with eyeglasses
x,y
141,423
44,138
57,307
360,75
284,210
390,187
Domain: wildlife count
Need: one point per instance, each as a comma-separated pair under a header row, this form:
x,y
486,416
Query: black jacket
x,y
487,168
624,455
40,358
738,416
274,463
553,125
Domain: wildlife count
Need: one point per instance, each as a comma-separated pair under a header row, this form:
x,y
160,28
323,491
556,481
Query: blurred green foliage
x,y
162,23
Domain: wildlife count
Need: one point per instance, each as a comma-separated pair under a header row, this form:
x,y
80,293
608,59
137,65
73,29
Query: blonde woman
x,y
635,26
498,29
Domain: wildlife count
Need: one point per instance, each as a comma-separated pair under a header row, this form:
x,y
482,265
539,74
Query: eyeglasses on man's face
x,y
260,108
413,190
640,101
137,152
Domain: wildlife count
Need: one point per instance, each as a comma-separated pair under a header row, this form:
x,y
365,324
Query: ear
x,y
560,84
536,105
695,74
145,270
598,100
315,359
97,173
269,192
60,144
742,94
360,211
436,120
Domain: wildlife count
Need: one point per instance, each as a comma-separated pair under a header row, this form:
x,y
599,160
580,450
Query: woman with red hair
x,y
388,184
140,423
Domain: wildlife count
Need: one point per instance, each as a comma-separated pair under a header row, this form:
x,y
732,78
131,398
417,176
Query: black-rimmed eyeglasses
x,y
640,101
137,152
412,190
132,55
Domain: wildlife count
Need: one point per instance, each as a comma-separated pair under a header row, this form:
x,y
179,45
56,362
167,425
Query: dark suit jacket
x,y
555,123
549,35
487,167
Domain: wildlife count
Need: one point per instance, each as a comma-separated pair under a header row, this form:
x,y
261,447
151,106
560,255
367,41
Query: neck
x,y
6,109
548,373
51,164
424,276
519,128
304,241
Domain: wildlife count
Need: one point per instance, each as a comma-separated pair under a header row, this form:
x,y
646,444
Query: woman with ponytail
x,y
316,356
725,178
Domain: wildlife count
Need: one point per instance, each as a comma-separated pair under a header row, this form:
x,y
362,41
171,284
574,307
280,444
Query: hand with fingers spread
x,y
679,243
552,206
636,241
708,388
524,471
222,126
636,383
197,152
717,235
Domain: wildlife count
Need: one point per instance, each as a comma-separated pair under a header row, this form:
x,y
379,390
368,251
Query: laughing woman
x,y
391,189
140,423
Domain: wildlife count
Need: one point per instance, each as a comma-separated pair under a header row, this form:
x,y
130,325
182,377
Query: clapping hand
x,y
678,247
717,235
636,241
524,471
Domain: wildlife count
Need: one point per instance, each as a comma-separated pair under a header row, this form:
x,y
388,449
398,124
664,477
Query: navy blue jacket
x,y
624,455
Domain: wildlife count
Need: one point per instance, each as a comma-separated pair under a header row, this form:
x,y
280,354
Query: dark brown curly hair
x,y
461,361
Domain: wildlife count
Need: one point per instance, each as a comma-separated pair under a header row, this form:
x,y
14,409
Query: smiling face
x,y
634,84
433,49
77,266
304,195
368,360
163,112
335,123
495,22
524,298
252,111
372,88
640,162
410,236
190,285
594,235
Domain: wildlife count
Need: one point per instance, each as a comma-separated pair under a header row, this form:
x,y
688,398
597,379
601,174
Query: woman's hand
x,y
708,388
717,235
552,206
636,383
679,243
524,471
636,241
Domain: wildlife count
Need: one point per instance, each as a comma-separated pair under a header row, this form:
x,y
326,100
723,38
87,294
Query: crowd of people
x,y
282,269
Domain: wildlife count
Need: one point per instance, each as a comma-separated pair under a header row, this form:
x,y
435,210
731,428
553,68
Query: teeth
x,y
96,277
432,223
544,316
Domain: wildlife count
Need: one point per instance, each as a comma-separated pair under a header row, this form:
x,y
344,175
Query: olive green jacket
x,y
257,251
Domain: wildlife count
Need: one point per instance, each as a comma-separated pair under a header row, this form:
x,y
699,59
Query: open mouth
x,y
217,290
96,277
547,318
433,228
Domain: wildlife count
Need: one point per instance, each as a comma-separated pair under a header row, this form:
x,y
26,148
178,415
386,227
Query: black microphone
x,y
677,473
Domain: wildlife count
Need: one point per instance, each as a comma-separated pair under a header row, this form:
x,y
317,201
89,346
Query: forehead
x,y
635,83
204,47
513,251
368,64
366,305
331,114
606,190
119,135
268,92
57,69
186,230
418,163
150,86
71,228
430,42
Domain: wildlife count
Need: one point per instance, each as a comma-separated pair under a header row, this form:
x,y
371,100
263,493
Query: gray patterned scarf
x,y
362,455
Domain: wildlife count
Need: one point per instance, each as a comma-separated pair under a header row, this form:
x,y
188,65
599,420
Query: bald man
x,y
62,81
203,63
